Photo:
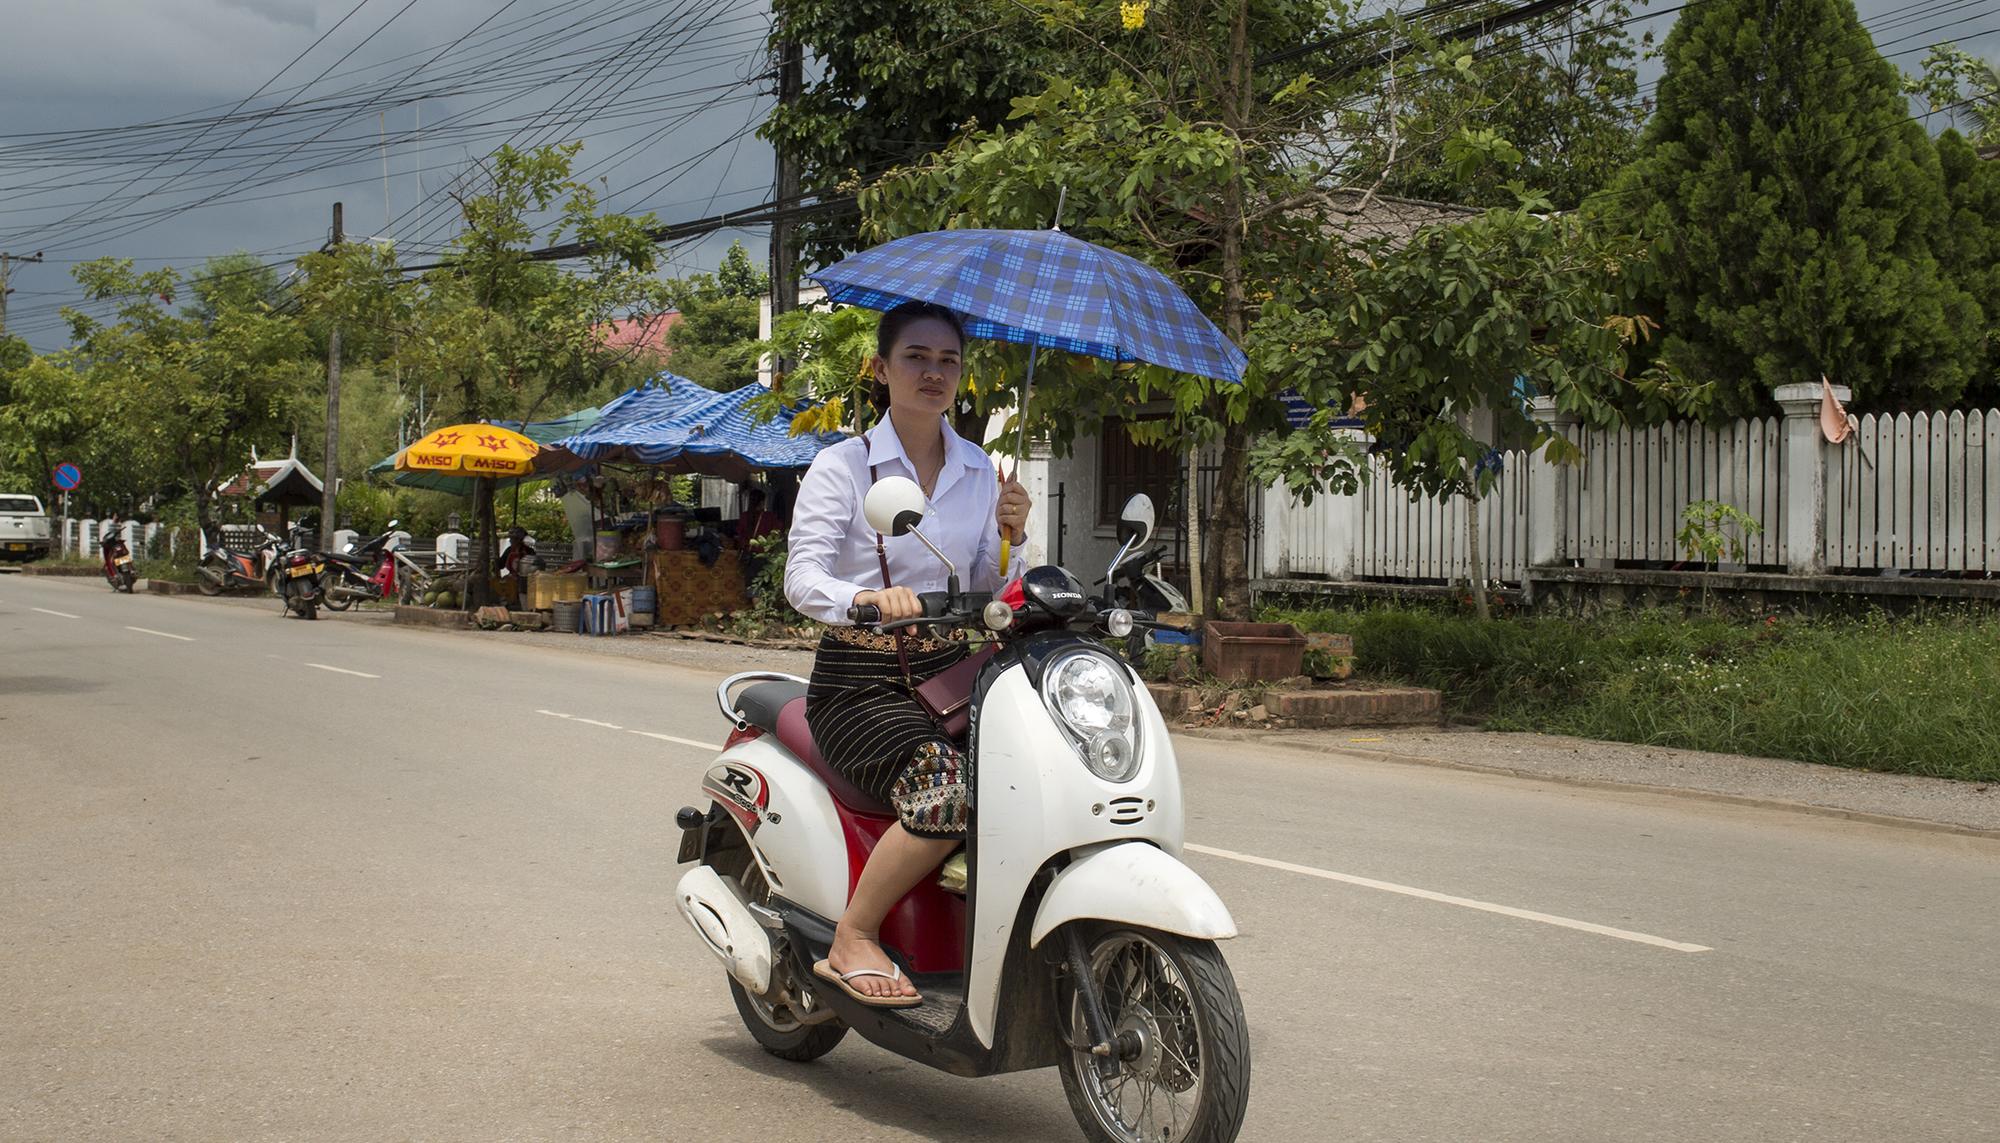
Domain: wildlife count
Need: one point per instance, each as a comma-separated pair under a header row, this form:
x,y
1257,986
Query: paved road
x,y
264,879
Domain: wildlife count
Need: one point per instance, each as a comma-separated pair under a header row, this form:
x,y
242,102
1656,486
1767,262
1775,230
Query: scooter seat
x,y
761,703
796,736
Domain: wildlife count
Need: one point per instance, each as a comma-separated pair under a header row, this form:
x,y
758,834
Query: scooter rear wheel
x,y
209,577
782,1037
1172,1003
336,602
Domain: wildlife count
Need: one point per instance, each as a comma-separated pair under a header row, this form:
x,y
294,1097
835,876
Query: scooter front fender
x,y
1133,883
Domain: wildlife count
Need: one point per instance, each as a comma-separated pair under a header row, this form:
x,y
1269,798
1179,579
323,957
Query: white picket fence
x,y
1381,533
1918,493
1634,485
1904,493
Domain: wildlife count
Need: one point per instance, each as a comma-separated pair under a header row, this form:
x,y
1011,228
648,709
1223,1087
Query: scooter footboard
x,y
1133,883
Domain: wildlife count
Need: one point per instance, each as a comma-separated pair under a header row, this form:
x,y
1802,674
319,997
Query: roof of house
x,y
645,334
1361,216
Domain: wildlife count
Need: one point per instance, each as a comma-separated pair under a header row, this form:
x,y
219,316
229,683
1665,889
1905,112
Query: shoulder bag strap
x,y
882,557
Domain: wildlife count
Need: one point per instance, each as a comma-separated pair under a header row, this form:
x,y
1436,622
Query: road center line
x,y
682,741
64,614
161,634
581,719
344,671
1462,902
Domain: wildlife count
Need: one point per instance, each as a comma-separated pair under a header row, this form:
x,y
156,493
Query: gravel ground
x,y
1896,798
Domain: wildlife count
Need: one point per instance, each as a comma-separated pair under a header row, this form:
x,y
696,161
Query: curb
x,y
431,617
170,587
1867,817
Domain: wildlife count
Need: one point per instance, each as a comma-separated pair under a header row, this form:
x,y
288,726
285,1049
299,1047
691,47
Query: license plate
x,y
17,547
123,561
305,569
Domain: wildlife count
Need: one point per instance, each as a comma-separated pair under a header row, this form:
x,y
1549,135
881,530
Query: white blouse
x,y
830,557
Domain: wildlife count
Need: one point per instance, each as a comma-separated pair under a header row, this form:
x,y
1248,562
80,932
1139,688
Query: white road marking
x,y
580,718
344,671
64,614
647,733
1462,902
717,747
161,634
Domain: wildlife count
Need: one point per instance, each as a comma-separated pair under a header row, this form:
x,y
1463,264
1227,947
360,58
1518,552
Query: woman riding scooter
x,y
868,724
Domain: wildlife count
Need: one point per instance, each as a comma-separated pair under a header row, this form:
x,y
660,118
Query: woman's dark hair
x,y
893,324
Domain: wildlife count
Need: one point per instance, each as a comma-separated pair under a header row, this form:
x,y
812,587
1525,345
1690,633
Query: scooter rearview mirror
x,y
1135,521
894,506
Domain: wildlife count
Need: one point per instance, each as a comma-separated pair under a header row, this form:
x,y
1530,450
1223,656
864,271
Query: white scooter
x,y
1080,940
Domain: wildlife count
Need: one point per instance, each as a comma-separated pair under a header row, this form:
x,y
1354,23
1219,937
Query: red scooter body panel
x,y
928,925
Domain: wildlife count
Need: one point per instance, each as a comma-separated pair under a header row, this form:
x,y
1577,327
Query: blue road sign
x,y
67,476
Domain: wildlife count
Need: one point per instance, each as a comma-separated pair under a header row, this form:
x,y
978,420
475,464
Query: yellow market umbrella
x,y
471,450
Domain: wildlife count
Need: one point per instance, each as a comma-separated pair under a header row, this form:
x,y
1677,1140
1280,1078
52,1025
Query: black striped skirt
x,y
870,728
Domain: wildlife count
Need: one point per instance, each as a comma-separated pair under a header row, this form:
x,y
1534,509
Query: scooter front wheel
x,y
1183,1047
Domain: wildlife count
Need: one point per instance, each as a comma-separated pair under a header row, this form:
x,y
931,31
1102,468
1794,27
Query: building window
x,y
1125,469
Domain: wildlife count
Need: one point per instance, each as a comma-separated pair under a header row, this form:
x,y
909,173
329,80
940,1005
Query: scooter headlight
x,y
1092,699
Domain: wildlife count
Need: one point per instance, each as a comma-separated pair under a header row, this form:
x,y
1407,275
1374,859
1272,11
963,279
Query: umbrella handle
x,y
1006,545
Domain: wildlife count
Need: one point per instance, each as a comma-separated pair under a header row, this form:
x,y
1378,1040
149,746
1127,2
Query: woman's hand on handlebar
x,y
892,603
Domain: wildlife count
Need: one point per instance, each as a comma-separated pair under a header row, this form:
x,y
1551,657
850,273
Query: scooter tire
x,y
208,578
338,602
1217,1012
125,582
800,1044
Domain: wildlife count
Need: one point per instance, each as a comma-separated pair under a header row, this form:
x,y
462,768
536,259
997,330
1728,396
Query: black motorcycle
x,y
298,576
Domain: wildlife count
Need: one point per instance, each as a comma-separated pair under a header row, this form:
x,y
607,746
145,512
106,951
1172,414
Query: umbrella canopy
x,y
471,450
541,432
1041,288
677,425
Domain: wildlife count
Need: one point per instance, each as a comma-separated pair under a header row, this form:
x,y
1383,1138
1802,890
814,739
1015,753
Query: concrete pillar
x,y
344,537
1551,536
454,548
1805,476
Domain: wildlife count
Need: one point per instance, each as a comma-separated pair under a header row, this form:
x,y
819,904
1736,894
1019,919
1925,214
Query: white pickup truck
x,y
24,527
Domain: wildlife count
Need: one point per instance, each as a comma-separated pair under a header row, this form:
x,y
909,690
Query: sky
x,y
170,131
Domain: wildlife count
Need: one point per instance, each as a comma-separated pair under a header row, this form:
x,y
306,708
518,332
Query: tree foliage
x,y
893,80
1797,208
1561,91
715,342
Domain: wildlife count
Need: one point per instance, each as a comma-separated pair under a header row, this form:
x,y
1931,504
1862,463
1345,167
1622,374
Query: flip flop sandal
x,y
824,970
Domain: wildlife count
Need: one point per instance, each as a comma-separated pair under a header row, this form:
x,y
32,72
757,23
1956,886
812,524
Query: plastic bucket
x,y
565,615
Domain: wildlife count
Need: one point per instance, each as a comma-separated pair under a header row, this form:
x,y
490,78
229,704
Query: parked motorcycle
x,y
223,568
1136,584
1081,941
364,570
118,568
299,576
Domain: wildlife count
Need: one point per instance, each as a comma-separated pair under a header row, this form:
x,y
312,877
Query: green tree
x,y
1969,250
1963,88
715,341
189,392
1561,91
499,332
1797,207
1233,179
894,80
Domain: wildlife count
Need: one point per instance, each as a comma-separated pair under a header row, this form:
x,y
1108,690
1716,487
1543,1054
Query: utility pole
x,y
331,473
7,261
785,191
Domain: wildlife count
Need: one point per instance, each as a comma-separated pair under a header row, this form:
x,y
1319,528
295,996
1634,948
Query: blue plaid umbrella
x,y
1041,288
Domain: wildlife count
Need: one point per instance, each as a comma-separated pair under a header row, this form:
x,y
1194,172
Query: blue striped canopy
x,y
1041,287
675,424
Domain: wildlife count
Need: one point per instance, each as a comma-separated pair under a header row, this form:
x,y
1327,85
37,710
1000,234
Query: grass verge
x,y
1903,695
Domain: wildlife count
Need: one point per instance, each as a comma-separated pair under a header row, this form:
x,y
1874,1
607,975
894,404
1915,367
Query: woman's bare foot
x,y
855,950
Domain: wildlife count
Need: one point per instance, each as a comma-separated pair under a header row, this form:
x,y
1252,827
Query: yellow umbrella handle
x,y
1006,545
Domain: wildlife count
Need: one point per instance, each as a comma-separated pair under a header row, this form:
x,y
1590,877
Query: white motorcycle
x,y
1077,939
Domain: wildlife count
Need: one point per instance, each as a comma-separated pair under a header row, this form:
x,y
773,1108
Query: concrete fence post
x,y
1805,476
1551,535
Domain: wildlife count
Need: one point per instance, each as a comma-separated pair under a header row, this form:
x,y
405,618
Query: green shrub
x,y
1903,695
